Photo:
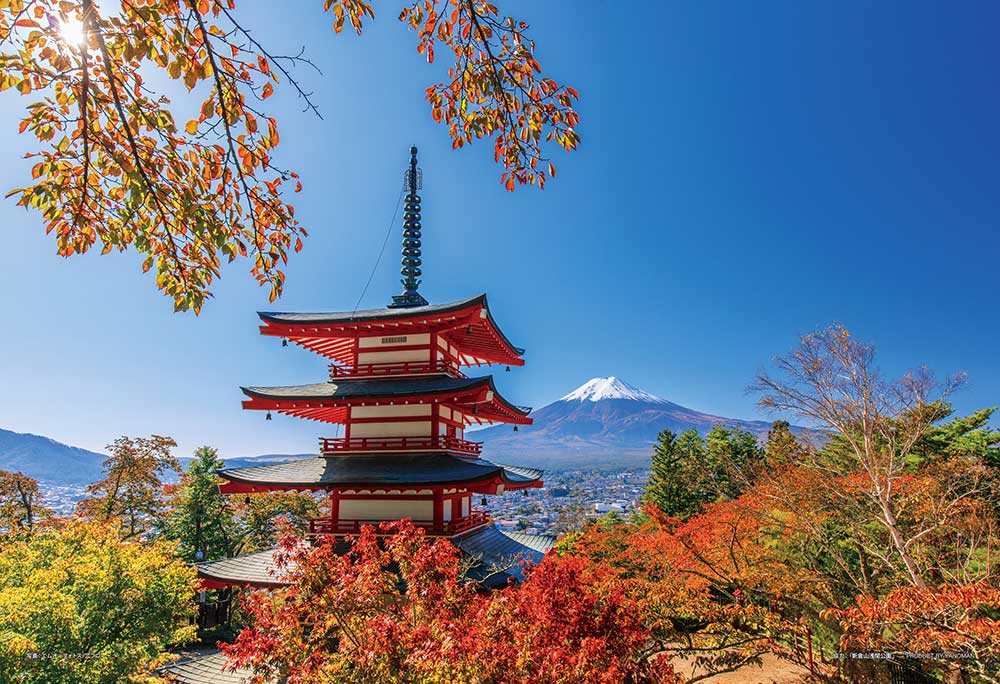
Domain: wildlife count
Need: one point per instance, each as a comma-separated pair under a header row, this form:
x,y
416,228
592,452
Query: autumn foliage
x,y
398,611
121,166
80,605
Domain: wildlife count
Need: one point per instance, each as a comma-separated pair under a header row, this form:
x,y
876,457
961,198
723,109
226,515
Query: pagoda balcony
x,y
447,528
342,445
395,369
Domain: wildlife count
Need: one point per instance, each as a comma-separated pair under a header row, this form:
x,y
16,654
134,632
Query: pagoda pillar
x,y
334,508
438,512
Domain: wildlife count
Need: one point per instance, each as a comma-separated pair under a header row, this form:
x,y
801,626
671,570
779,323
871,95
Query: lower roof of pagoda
x,y
329,401
496,557
207,667
254,569
385,471
467,323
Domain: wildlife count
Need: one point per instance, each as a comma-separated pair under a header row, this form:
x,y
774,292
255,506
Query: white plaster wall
x,y
390,411
416,428
385,509
395,356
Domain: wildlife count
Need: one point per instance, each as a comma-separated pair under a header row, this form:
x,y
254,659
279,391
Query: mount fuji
x,y
605,422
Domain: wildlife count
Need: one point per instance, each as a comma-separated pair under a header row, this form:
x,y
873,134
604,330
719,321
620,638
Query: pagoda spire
x,y
413,180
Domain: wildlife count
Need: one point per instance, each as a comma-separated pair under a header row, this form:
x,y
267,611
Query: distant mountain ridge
x,y
55,463
604,422
47,460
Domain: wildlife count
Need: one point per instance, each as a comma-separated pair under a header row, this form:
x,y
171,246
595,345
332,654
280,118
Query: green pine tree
x,y
670,486
781,447
199,518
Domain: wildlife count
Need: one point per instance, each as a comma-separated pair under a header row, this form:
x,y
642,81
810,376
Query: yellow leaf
x,y
192,126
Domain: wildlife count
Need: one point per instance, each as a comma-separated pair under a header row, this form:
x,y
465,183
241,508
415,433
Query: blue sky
x,y
748,172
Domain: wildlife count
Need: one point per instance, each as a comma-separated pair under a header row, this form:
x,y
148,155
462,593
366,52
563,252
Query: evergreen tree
x,y
661,489
732,457
688,470
781,448
674,485
199,515
203,519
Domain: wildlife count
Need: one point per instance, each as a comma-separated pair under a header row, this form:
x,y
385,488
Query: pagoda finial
x,y
412,181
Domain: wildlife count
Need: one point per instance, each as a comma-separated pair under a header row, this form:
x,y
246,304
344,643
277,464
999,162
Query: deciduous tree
x,y
132,489
832,380
121,166
80,605
397,612
21,504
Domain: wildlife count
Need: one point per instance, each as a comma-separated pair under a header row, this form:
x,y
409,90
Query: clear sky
x,y
749,171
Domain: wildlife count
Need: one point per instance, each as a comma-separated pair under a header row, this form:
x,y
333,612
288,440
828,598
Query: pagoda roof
x,y
468,324
327,401
205,668
384,471
254,569
496,551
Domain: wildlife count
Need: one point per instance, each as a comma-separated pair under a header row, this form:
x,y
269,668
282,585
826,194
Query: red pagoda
x,y
396,385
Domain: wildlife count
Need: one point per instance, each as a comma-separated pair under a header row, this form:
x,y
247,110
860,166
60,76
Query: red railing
x,y
329,445
448,527
367,370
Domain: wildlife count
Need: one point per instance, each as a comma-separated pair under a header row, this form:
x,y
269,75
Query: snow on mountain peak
x,y
609,388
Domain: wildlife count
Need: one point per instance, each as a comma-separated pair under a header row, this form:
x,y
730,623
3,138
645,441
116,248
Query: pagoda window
x,y
423,339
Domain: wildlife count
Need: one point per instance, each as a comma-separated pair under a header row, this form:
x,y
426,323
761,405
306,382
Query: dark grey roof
x,y
205,668
363,389
513,473
384,469
385,313
499,553
368,314
258,569
375,389
496,554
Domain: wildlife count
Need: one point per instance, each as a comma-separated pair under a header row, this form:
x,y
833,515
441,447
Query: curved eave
x,y
255,569
383,315
489,547
485,342
333,334
207,668
515,477
385,472
328,402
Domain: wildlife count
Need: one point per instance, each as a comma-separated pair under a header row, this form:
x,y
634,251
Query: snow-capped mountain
x,y
610,388
605,421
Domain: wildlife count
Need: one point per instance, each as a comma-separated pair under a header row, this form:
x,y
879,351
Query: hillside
x,y
48,460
